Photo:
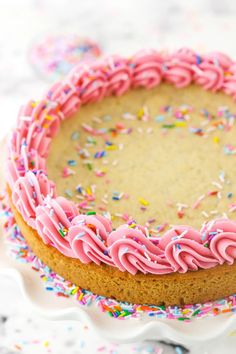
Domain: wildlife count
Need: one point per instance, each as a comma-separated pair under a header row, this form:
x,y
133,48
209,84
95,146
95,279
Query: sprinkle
x,y
168,126
229,149
81,234
212,193
89,166
74,135
159,118
91,213
128,116
71,162
144,202
204,213
222,176
100,154
100,173
216,139
218,185
66,172
68,193
143,114
97,120
117,195
180,214
198,202
61,232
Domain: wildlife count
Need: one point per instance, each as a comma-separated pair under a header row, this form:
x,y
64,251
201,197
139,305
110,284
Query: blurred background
x,y
123,27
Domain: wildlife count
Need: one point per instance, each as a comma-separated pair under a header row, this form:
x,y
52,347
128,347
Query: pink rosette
x,y
64,95
89,81
221,236
219,59
209,73
146,69
184,55
185,251
117,74
37,125
132,251
53,219
18,164
29,192
87,237
229,86
178,68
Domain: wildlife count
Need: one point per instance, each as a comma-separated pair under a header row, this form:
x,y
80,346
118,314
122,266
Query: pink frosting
x,y
89,81
185,251
65,98
219,59
117,74
37,125
221,235
209,75
51,217
146,69
184,55
131,250
18,164
178,73
29,192
90,237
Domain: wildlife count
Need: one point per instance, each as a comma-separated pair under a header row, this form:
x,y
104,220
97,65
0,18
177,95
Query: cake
x,y
122,177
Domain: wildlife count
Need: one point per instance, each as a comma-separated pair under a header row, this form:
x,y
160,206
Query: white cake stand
x,y
207,335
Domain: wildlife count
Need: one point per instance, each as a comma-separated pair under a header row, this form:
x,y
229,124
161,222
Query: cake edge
x,y
178,289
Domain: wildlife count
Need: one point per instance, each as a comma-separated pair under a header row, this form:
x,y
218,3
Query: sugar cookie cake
x,y
122,178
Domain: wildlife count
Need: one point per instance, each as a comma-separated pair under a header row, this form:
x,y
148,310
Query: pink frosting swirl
x,y
178,68
221,236
18,164
118,75
37,125
184,55
29,192
146,69
131,250
87,237
209,73
89,81
53,220
219,59
185,251
64,95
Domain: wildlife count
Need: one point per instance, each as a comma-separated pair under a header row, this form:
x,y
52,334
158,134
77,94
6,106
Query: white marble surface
x,y
119,26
